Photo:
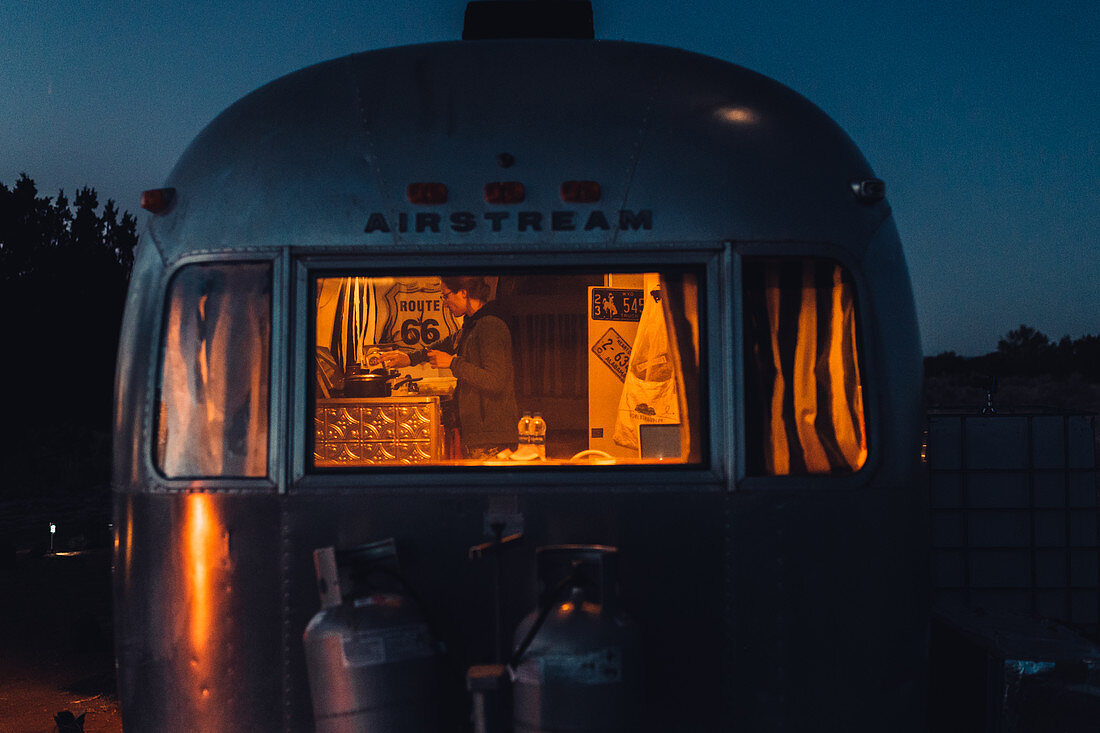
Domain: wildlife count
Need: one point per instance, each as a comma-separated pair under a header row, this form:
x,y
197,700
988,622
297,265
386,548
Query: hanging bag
x,y
649,392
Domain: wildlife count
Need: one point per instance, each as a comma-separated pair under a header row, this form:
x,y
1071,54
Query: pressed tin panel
x,y
368,431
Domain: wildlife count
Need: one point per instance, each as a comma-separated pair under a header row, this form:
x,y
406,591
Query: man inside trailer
x,y
480,357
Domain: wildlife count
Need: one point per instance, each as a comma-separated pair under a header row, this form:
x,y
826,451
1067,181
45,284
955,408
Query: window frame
x,y
722,374
711,474
275,472
869,372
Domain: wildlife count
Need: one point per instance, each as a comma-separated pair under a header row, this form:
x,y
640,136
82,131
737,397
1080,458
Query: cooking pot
x,y
372,384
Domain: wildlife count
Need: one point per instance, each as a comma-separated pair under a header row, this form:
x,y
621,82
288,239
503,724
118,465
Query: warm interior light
x,y
587,339
214,375
427,193
805,377
505,192
847,413
780,457
816,423
580,192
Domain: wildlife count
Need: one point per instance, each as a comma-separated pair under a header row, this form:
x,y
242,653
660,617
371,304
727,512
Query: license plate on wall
x,y
613,350
617,304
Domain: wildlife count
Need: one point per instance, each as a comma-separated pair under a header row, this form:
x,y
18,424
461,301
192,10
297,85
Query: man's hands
x,y
439,359
395,359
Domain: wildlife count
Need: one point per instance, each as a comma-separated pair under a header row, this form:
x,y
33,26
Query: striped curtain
x,y
356,321
804,406
216,362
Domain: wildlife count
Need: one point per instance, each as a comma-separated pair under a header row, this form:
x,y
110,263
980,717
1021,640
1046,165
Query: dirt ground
x,y
55,642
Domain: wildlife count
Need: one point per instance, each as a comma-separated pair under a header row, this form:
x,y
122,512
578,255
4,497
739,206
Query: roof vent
x,y
498,19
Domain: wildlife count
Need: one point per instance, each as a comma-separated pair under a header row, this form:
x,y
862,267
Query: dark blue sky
x,y
982,117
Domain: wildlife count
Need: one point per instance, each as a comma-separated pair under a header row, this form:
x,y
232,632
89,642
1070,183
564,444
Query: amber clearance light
x,y
427,193
158,200
505,192
580,192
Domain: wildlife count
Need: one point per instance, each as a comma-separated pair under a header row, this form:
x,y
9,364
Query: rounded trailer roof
x,y
694,149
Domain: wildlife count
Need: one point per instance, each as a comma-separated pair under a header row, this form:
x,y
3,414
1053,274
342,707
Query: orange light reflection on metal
x,y
204,549
128,549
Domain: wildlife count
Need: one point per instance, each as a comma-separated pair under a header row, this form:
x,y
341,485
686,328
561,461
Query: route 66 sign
x,y
416,316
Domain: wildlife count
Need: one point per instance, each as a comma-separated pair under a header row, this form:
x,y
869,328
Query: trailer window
x,y
214,372
804,394
429,369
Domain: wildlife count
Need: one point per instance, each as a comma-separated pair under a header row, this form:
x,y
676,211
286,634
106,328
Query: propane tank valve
x,y
577,663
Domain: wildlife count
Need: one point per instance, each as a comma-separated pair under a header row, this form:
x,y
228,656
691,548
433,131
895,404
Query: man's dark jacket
x,y
485,394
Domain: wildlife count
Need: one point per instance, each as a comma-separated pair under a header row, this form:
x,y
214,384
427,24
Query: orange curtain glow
x,y
215,372
804,411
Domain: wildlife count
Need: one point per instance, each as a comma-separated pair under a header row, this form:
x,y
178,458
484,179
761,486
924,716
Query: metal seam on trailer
x,y
643,133
284,554
368,144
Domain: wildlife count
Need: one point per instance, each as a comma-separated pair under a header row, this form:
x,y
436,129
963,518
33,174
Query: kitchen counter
x,y
361,431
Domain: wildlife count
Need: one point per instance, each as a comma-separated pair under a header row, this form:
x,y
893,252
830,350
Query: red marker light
x,y
580,192
158,200
505,192
427,193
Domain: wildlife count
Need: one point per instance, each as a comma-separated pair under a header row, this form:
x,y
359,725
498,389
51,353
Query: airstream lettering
x,y
563,221
644,478
496,217
467,221
530,219
427,222
463,221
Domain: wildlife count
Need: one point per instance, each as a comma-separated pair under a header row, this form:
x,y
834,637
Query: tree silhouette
x,y
1024,339
38,233
63,275
1026,351
1032,370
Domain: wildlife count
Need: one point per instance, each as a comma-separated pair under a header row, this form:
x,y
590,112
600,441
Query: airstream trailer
x,y
698,286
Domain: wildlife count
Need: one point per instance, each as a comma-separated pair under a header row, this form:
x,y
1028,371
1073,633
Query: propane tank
x,y
577,660
373,663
